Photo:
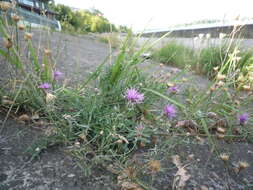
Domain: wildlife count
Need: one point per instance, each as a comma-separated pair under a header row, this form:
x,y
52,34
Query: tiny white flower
x,y
208,35
222,35
201,36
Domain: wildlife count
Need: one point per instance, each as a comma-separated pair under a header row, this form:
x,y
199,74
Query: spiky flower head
x,y
57,75
28,36
16,18
173,89
243,165
243,118
133,96
224,156
45,86
5,5
154,166
21,27
170,111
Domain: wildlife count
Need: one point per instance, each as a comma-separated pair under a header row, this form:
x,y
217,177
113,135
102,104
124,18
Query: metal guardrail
x,y
36,19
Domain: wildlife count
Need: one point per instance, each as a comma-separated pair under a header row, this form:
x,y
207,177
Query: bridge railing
x,y
33,18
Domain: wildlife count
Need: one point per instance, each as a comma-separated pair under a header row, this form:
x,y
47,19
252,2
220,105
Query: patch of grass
x,y
112,39
210,57
174,54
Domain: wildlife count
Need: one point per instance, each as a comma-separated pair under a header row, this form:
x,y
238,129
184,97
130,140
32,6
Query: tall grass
x,y
113,39
210,57
227,57
174,54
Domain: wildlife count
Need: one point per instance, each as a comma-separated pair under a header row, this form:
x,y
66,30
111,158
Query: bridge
x,y
214,29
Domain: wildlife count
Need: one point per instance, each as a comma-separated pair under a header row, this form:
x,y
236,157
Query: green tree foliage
x,y
82,21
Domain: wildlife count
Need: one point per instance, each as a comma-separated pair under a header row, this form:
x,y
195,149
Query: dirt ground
x,y
56,169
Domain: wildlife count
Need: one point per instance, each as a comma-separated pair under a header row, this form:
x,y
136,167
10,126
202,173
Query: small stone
x,y
203,187
71,175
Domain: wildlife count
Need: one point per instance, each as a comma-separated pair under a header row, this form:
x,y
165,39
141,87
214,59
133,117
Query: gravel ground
x,y
55,169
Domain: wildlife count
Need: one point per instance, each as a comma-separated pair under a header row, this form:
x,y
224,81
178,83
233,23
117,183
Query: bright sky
x,y
159,14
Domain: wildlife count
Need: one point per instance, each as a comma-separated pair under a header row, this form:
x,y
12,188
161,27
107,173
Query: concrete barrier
x,y
246,30
196,43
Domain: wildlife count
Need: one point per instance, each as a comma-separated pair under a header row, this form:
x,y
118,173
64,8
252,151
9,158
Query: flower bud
x,y
50,98
28,36
224,156
5,6
221,76
242,165
246,87
15,18
21,27
8,43
47,52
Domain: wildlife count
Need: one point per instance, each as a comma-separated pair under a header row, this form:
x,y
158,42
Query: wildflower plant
x,y
133,96
96,119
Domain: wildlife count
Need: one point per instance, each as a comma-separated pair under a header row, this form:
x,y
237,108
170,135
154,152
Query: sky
x,y
161,14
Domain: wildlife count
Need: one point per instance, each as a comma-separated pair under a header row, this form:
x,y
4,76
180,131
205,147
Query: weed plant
x,y
118,108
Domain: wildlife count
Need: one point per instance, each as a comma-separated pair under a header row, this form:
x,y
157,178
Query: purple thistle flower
x,y
57,75
170,111
243,118
45,86
173,89
133,96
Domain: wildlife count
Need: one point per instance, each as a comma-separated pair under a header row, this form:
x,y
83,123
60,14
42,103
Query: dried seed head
x,y
224,156
130,172
154,166
220,136
8,43
5,6
170,84
35,116
47,52
242,165
216,68
21,27
50,98
221,130
246,87
28,36
24,118
221,76
212,89
220,84
15,18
